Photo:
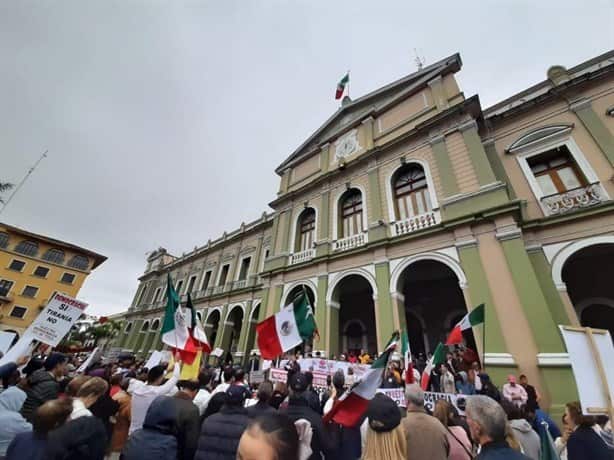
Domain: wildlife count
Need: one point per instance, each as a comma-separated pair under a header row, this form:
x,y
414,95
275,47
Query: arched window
x,y
411,194
54,255
306,230
145,326
155,325
4,240
79,262
350,213
27,248
128,328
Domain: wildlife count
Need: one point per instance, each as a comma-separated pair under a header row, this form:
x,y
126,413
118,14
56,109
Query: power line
x,y
30,171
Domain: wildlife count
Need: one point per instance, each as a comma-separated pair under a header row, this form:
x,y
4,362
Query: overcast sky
x,y
164,120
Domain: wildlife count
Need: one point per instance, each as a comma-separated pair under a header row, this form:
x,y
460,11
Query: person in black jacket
x,y
188,419
262,407
298,408
584,443
313,399
221,432
43,384
157,439
78,439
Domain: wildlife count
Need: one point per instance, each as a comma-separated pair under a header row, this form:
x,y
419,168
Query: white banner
x,y
54,322
6,338
396,394
430,398
329,366
94,355
23,347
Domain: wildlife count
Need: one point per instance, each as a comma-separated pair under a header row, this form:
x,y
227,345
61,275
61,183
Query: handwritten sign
x,y
54,322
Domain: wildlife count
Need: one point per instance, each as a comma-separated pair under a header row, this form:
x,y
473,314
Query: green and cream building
x,y
413,204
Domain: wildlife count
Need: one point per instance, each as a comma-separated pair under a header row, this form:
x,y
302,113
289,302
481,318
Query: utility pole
x,y
30,171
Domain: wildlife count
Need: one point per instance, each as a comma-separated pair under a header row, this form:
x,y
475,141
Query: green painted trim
x,y
285,229
277,293
321,308
444,166
375,195
245,327
275,263
476,203
274,233
324,216
322,249
480,162
479,291
333,345
545,331
385,325
497,166
264,302
561,386
377,233
543,273
147,346
598,130
136,327
222,330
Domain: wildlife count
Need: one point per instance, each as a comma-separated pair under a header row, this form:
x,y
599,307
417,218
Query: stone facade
x,y
411,205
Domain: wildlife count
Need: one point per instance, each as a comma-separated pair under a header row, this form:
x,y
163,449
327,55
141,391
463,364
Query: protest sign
x,y
93,356
590,352
155,359
218,352
6,338
54,322
256,376
396,394
458,401
23,347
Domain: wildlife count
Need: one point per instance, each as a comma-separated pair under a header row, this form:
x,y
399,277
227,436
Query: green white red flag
x,y
406,352
439,357
341,85
351,405
471,319
175,332
287,329
196,328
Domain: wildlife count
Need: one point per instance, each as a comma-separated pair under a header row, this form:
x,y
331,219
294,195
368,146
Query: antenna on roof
x,y
30,171
418,60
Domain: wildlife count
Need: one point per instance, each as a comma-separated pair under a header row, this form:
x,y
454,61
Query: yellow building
x,y
32,268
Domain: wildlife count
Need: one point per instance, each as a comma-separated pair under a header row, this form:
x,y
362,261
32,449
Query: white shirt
x,y
79,410
143,395
201,400
221,388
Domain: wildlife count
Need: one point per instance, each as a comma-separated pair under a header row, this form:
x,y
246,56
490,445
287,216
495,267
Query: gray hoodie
x,y
527,437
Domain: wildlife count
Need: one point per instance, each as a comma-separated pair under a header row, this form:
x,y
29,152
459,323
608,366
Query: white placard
x,y
94,355
155,359
217,352
6,338
396,394
23,347
54,322
593,394
430,398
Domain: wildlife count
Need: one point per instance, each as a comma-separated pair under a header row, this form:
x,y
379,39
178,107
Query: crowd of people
x,y
122,410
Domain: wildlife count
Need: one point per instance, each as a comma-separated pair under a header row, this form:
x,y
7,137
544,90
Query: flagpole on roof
x,y
348,73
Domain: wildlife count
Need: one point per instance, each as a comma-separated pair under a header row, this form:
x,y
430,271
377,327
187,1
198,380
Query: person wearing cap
x,y
43,384
514,393
221,432
426,437
298,408
381,433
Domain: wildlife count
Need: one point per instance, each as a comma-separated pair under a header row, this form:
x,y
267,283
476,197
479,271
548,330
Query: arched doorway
x,y
587,273
433,302
353,295
212,325
234,321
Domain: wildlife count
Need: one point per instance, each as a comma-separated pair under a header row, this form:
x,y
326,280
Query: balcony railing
x,y
415,223
240,284
577,198
218,289
350,242
302,256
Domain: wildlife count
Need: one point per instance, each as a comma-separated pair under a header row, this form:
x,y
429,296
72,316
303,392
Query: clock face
x,y
346,145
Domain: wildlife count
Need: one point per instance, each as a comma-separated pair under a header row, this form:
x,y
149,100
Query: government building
x,y
410,206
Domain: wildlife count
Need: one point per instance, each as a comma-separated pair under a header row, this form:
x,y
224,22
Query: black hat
x,y
236,394
383,413
299,382
54,359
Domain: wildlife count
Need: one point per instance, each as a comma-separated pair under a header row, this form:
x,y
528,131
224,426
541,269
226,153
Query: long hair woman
x,y
460,445
382,434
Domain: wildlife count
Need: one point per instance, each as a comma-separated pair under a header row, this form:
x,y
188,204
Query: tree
x,y
4,187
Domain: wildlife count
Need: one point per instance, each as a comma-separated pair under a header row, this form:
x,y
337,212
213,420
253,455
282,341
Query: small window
x,y
27,248
128,328
18,312
155,325
207,280
224,275
179,286
30,291
142,295
266,254
156,295
17,265
191,284
68,278
556,172
411,192
79,262
4,240
54,255
351,213
145,326
244,268
41,272
306,230
5,287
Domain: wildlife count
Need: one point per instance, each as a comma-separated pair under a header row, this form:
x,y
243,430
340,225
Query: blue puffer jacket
x,y
157,439
220,434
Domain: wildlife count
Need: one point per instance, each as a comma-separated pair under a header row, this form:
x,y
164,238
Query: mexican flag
x,y
196,328
341,85
287,329
351,406
406,352
439,357
473,318
175,332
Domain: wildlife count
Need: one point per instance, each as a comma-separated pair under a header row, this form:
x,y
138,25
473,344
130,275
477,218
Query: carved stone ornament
x,y
346,145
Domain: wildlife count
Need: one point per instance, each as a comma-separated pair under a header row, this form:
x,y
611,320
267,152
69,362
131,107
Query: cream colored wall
x,y
406,109
305,169
451,86
461,163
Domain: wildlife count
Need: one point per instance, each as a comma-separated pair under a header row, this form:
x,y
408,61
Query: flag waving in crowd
x,y
350,407
287,329
439,356
473,318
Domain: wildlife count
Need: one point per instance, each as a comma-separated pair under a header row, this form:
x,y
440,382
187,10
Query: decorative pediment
x,y
539,135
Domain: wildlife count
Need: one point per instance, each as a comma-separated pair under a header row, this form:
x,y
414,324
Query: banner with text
x,y
54,322
458,401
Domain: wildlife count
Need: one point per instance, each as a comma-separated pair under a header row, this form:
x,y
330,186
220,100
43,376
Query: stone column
x,y
245,327
480,162
332,328
439,93
376,224
444,166
386,315
323,227
321,314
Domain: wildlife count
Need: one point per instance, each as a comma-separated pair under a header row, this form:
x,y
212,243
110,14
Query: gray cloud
x,y
164,120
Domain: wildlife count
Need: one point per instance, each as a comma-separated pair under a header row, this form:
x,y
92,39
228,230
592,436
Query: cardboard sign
x,y
218,352
256,376
6,338
54,322
458,401
590,352
23,347
396,394
155,359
